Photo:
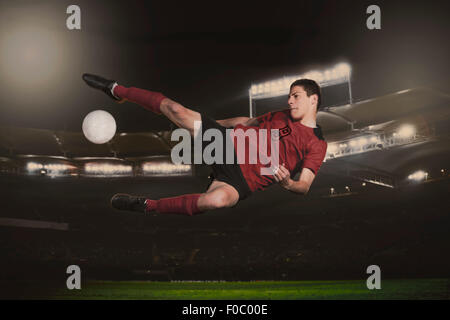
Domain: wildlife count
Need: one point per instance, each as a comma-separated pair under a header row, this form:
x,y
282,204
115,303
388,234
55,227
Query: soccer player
x,y
302,148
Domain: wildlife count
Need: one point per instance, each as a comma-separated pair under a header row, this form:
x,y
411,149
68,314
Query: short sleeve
x,y
314,158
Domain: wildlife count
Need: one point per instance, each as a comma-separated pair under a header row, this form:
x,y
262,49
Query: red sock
x,y
185,204
148,99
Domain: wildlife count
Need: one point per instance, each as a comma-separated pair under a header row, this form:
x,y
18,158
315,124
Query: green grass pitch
x,y
265,290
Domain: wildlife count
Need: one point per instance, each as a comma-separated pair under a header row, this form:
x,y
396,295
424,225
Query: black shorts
x,y
228,173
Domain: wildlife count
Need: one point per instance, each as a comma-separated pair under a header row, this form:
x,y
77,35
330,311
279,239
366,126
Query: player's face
x,y
299,102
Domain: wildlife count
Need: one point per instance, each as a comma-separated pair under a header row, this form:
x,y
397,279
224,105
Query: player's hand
x,y
282,176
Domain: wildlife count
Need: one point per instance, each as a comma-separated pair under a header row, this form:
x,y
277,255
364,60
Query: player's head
x,y
304,97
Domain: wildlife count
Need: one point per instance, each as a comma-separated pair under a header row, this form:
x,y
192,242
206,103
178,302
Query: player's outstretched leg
x,y
102,84
219,195
186,204
153,101
122,201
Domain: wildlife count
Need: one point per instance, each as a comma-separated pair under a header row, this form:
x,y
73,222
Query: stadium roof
x,y
428,103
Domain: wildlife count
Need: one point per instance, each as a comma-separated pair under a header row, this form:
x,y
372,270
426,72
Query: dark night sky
x,y
207,56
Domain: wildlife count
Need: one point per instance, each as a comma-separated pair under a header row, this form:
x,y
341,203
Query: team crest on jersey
x,y
285,132
282,132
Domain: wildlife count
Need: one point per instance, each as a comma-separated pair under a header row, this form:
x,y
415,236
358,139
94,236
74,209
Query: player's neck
x,y
309,120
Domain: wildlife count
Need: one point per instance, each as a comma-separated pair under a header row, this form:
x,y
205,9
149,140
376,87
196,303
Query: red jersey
x,y
299,147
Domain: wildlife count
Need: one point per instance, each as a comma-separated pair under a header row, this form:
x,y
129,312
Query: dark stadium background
x,y
206,57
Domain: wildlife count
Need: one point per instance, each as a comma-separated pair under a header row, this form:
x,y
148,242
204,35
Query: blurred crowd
x,y
326,245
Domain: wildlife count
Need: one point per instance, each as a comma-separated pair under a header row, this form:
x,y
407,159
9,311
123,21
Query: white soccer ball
x,y
99,126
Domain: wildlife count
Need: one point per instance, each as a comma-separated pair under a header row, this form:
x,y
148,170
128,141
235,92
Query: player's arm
x,y
304,182
311,165
232,122
301,186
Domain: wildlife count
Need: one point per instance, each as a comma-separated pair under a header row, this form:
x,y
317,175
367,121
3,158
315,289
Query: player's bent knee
x,y
224,201
219,203
215,202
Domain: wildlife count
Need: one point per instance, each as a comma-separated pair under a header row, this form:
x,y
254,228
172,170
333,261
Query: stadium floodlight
x,y
274,88
56,167
353,143
359,142
166,168
371,141
33,166
104,168
332,148
419,175
52,167
362,142
343,69
280,87
406,131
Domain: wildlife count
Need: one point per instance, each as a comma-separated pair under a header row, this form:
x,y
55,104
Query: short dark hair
x,y
311,87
